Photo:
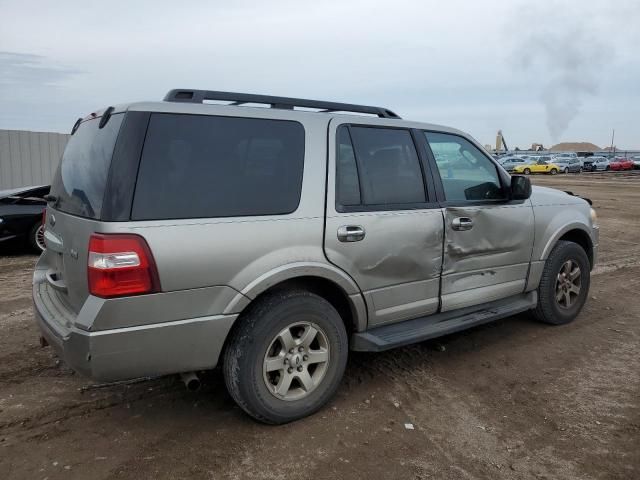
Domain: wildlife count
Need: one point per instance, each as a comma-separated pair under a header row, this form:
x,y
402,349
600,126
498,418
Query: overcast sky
x,y
541,71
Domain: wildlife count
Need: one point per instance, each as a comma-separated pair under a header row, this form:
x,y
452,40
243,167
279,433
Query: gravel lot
x,y
513,399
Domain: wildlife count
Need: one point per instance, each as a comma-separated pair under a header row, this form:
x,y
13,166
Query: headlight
x,y
594,217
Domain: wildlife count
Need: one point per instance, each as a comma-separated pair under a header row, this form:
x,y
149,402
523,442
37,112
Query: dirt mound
x,y
575,147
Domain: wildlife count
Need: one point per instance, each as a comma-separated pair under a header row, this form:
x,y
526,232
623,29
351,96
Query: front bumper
x,y
129,352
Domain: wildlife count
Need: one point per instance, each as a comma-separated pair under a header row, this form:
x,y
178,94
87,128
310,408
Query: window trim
x,y
139,165
503,177
427,180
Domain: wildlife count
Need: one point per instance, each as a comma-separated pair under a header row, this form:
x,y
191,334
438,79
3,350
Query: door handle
x,y
462,223
350,233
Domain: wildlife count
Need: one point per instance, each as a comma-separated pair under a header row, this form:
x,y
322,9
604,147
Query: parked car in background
x,y
513,162
621,163
21,212
596,163
542,165
568,164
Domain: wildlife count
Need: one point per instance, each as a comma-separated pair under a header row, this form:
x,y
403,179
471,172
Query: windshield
x,y
81,178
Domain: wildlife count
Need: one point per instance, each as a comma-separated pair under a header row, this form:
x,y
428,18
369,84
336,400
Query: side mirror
x,y
520,187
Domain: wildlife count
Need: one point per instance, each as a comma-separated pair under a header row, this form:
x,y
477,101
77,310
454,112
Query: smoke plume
x,y
563,51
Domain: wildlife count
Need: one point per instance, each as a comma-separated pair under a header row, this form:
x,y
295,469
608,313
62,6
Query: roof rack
x,y
200,96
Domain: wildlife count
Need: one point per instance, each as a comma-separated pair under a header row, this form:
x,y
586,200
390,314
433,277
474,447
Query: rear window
x,y
196,166
81,178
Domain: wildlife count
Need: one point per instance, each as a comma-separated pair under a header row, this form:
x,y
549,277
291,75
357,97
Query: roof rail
x,y
199,96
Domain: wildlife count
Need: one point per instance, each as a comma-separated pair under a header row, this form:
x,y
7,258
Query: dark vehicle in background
x,y
21,212
621,163
636,162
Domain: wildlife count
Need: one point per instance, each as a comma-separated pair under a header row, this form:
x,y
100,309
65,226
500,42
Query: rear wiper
x,y
50,198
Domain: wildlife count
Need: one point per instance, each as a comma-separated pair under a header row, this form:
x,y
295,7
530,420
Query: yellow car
x,y
541,166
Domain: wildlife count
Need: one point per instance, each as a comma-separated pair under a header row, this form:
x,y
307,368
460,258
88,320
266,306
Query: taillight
x,y
120,265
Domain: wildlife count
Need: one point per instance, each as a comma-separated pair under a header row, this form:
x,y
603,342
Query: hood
x,y
546,196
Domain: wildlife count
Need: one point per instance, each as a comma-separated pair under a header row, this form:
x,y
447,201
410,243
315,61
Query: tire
x,y
527,171
259,335
553,171
581,169
566,169
550,309
35,240
607,168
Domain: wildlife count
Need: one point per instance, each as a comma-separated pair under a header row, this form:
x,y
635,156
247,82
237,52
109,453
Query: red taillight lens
x,y
120,265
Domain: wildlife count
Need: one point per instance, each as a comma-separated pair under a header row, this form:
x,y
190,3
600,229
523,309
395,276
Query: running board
x,y
419,329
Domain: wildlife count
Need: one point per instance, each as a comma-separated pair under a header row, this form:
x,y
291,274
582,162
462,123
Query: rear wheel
x,y
527,171
564,285
286,357
553,171
36,238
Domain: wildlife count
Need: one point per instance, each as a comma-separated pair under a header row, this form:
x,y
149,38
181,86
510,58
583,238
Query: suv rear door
x,y
383,226
488,238
78,187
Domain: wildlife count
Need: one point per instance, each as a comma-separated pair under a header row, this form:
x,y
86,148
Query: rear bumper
x,y
130,352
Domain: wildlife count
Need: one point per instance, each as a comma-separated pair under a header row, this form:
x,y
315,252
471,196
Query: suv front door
x,y
488,239
383,226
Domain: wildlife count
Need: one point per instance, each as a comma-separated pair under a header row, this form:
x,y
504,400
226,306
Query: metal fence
x,y
29,158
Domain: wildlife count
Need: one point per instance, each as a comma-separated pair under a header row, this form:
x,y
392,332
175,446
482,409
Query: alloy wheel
x,y
296,361
40,238
568,283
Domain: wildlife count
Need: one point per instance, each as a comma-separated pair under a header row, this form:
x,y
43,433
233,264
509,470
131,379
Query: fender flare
x,y
559,233
303,269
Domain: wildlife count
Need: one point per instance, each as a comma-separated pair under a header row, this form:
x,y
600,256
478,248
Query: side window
x,y
466,173
388,166
197,166
347,183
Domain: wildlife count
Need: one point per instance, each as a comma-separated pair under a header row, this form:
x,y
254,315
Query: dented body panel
x,y
490,260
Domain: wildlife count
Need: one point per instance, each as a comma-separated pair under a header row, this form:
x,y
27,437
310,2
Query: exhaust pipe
x,y
191,381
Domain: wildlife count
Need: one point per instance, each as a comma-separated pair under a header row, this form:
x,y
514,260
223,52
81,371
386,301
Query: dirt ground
x,y
513,399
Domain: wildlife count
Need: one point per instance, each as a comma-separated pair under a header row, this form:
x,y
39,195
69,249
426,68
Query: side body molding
x,y
298,270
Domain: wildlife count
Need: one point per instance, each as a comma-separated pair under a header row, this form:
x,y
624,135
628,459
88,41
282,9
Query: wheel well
x,y
324,288
581,238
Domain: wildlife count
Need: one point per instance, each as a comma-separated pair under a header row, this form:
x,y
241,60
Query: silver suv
x,y
182,235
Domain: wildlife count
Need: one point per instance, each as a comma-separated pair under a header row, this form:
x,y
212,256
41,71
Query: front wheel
x,y
553,171
566,169
286,357
564,284
607,168
527,171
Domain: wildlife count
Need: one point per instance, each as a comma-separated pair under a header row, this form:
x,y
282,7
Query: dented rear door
x,y
382,227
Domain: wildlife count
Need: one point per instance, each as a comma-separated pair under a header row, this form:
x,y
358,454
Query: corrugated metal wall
x,y
29,158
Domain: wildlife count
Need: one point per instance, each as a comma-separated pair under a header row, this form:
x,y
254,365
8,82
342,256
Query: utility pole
x,y
613,135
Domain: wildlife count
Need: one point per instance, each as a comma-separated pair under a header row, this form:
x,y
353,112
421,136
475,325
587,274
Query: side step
x,y
423,328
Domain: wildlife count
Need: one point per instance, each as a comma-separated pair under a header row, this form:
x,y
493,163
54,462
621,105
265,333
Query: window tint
x,y
196,166
347,184
466,173
388,166
81,178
